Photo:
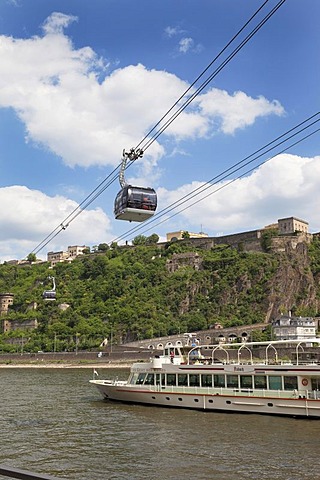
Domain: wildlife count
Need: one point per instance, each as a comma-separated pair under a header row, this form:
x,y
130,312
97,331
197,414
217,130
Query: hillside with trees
x,y
129,293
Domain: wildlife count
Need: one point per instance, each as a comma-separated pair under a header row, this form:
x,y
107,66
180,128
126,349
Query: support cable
x,y
148,142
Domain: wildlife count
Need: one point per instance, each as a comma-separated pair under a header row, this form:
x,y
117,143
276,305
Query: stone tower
x,y
6,299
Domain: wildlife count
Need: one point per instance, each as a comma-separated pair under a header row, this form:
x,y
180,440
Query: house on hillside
x,y
287,327
68,256
287,226
180,235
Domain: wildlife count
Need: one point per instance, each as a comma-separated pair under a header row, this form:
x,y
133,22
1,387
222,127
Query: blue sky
x,y
80,81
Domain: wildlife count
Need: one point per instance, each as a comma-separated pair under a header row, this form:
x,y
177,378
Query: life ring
x,y
304,382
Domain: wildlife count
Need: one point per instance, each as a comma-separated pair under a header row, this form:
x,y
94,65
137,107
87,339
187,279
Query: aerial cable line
x,y
82,206
225,62
219,176
248,171
168,122
204,187
209,79
201,74
234,179
231,170
93,195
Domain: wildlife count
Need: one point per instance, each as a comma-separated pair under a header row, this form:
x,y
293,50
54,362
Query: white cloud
x,y
237,110
57,22
172,31
287,185
29,215
186,44
57,91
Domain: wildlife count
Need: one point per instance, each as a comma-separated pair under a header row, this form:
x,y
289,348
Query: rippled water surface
x,y
53,421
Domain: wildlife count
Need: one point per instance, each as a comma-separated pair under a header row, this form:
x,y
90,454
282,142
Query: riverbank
x,y
67,365
118,357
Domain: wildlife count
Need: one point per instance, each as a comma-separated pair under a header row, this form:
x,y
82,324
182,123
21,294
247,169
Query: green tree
x,y
31,257
153,239
139,240
103,247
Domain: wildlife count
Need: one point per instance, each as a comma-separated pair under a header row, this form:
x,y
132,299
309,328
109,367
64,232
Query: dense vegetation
x,y
128,293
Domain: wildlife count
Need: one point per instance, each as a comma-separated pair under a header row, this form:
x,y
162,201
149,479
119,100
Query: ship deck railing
x,y
245,392
254,361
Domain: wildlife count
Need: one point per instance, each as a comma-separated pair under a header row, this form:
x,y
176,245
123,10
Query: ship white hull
x,y
294,407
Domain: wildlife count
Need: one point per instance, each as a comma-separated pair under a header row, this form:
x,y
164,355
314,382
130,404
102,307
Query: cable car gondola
x,y
134,204
50,294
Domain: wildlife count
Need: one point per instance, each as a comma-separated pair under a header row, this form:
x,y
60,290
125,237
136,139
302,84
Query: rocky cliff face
x,y
253,287
293,284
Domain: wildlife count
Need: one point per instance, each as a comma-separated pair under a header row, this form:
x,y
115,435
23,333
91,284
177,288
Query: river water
x,y
53,421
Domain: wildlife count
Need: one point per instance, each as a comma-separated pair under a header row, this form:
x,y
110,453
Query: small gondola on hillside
x,y
50,294
134,204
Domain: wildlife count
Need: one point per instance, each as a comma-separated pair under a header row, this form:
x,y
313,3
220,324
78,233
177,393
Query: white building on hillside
x,y
72,252
287,327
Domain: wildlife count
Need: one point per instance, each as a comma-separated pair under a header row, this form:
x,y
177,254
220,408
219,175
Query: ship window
x,y
275,382
159,379
232,381
210,400
206,380
194,380
196,399
171,379
260,381
315,384
180,399
133,378
290,383
140,378
270,404
219,380
182,379
149,379
246,381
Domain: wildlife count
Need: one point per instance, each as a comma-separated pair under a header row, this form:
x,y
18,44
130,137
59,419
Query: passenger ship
x,y
237,381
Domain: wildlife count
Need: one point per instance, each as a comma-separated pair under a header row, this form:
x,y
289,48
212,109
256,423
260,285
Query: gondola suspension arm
x,y
132,155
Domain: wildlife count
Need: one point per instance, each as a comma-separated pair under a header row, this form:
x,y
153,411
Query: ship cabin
x,y
225,369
